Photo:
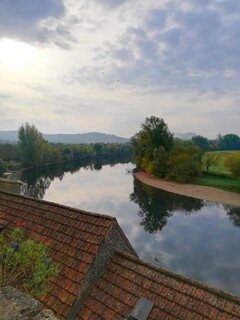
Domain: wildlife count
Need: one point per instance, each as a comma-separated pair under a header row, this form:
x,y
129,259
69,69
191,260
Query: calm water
x,y
192,237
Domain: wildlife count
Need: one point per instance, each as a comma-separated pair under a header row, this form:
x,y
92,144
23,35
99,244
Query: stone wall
x,y
16,305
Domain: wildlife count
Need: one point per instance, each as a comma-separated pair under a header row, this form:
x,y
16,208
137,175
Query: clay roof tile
x,y
128,278
74,237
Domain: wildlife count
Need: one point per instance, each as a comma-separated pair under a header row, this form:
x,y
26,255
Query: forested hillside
x,y
90,137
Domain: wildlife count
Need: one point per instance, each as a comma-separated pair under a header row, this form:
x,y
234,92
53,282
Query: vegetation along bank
x,y
214,163
159,154
33,151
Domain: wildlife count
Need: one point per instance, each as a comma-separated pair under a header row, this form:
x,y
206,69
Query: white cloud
x,y
126,60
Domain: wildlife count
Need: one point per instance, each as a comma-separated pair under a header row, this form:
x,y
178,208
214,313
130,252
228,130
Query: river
x,y
195,238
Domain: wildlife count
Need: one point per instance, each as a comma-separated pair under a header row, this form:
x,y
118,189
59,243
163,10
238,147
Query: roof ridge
x,y
51,203
218,292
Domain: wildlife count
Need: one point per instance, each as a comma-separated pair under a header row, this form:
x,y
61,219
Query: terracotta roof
x,y
74,237
175,297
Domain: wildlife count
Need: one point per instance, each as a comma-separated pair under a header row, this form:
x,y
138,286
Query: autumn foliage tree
x,y
151,143
232,162
184,164
156,152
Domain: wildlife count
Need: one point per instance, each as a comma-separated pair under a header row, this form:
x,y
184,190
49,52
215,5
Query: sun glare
x,y
16,55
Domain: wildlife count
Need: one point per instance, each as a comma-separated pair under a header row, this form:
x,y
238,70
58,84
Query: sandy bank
x,y
191,190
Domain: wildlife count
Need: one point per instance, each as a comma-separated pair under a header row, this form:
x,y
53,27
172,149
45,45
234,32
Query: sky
x,y
70,66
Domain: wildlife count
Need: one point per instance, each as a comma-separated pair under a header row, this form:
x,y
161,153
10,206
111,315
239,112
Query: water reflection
x,y
195,238
37,181
234,214
155,206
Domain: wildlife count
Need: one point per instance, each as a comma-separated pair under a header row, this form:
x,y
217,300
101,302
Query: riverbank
x,y
190,190
9,181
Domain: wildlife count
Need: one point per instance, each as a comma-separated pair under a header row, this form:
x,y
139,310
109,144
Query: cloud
x,y
157,18
69,107
5,96
35,21
171,48
111,3
9,117
125,60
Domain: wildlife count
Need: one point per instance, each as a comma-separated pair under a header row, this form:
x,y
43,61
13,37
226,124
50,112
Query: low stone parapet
x,y
16,305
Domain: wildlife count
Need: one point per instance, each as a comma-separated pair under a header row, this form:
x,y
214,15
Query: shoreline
x,y
190,190
8,181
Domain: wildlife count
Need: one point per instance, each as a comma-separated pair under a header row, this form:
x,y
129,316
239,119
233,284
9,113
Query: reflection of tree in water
x,y
36,190
234,214
37,181
156,206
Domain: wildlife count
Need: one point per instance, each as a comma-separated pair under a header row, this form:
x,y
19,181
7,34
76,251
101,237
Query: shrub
x,y
184,163
232,162
183,167
24,262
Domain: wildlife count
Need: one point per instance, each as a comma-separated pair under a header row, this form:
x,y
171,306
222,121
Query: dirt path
x,y
191,190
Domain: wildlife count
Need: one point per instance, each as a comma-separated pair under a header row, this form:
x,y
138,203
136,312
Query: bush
x,y
24,263
232,162
159,163
184,163
183,167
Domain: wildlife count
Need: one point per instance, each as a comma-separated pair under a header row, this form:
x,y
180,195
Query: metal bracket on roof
x,y
141,310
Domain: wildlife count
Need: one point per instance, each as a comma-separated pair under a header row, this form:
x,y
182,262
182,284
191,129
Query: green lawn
x,y
213,180
227,184
220,168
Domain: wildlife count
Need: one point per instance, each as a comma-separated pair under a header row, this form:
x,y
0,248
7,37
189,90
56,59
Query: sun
x,y
15,54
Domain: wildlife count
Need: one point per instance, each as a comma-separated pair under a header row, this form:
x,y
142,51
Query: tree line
x,y
222,142
154,149
33,150
157,152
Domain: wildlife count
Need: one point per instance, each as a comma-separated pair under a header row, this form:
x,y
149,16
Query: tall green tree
x,y
201,142
31,145
154,133
230,142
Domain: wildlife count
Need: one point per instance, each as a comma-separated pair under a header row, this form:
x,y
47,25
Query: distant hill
x,y
185,136
90,137
8,136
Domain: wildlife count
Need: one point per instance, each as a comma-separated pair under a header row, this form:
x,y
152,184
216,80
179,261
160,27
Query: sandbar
x,y
190,190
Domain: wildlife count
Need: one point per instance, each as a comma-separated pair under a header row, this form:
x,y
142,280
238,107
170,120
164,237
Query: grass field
x,y
227,184
220,167
219,176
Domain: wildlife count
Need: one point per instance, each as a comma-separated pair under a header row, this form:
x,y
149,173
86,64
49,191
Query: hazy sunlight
x,y
16,55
